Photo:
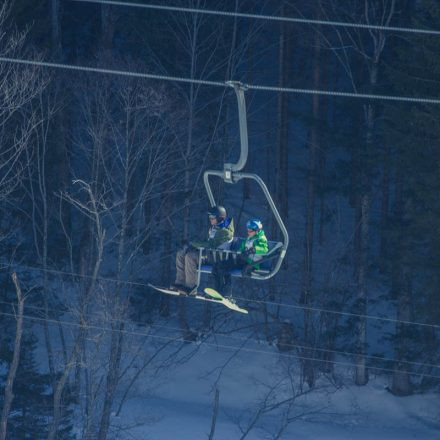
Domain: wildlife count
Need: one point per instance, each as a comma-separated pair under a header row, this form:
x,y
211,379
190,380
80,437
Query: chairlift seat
x,y
266,263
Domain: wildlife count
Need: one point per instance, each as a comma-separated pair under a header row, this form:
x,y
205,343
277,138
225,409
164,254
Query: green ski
x,y
214,297
228,302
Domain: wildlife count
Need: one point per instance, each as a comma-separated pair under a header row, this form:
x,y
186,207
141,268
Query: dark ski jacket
x,y
219,236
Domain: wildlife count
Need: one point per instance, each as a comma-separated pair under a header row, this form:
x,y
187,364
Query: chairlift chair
x,y
231,174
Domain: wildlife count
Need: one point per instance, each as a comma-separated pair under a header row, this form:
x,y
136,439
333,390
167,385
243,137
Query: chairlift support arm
x,y
242,118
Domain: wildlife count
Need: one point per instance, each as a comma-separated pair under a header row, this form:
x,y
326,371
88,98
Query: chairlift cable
x,y
276,18
249,300
264,88
216,334
209,344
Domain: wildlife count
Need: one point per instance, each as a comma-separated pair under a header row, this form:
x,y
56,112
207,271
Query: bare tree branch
x,y
9,396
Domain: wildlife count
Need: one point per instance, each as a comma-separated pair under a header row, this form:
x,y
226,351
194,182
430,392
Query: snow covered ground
x,y
181,406
173,399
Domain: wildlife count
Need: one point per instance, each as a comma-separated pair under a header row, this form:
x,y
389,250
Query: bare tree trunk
x,y
322,152
190,127
47,338
58,126
76,351
112,378
88,412
363,236
9,395
282,178
44,243
401,291
187,334
118,310
361,369
164,307
40,215
362,252
59,389
108,22
55,27
385,189
75,354
214,414
61,121
86,260
401,383
314,146
277,165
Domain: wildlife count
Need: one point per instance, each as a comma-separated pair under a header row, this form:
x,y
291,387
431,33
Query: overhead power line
x,y
276,18
367,96
210,344
248,300
229,336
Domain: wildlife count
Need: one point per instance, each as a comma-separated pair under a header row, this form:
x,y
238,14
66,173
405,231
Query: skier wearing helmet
x,y
255,244
220,236
220,233
252,250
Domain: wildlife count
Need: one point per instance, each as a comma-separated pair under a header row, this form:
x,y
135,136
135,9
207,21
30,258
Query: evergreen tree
x,y
31,409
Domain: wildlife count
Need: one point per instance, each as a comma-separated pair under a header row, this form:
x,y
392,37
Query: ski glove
x,y
250,251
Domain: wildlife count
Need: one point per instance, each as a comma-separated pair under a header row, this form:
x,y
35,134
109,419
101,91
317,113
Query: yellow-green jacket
x,y
259,243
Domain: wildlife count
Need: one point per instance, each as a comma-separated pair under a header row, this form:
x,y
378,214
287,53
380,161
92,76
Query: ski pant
x,y
187,261
221,273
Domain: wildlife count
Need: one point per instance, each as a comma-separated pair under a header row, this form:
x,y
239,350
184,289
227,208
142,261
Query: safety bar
x,y
219,255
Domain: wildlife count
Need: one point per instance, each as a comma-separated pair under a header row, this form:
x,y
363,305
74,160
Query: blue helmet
x,y
254,224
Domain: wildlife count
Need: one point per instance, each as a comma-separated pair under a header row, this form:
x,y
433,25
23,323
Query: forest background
x,y
101,181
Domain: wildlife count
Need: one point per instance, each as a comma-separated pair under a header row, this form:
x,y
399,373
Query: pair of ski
x,y
213,296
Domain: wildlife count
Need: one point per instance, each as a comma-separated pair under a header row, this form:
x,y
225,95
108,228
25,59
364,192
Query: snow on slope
x,y
181,408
